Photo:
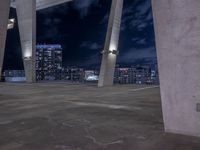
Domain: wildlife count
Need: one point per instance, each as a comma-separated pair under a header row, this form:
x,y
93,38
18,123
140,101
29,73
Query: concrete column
x,y
26,13
4,14
177,30
111,45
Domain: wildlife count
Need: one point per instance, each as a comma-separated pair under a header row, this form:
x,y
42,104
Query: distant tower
x,y
111,45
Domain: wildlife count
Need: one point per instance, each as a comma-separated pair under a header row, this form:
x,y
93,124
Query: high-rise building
x,y
48,62
125,75
143,74
73,74
136,75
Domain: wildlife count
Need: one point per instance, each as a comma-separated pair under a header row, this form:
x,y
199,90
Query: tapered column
x,y
111,45
26,13
177,30
4,14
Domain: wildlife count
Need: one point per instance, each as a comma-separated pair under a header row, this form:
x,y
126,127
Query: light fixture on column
x,y
27,58
27,50
114,52
11,23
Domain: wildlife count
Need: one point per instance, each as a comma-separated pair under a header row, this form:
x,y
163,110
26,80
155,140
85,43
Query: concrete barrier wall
x,y
177,30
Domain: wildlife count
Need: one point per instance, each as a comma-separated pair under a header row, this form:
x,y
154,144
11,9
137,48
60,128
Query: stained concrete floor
x,y
58,116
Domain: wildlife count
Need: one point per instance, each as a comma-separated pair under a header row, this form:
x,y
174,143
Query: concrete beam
x,y
42,4
4,14
177,30
111,45
26,13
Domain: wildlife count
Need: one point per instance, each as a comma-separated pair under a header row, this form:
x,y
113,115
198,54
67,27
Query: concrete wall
x,y
4,14
112,38
177,30
26,13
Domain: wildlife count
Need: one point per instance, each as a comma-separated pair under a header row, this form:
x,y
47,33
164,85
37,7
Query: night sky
x,y
80,27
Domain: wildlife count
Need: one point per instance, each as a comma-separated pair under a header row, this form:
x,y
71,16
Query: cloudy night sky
x,y
80,27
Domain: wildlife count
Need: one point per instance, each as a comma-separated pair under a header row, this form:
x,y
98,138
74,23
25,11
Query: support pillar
x,y
26,13
4,14
111,45
177,31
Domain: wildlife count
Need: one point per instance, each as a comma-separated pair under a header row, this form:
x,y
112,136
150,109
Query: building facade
x,y
136,75
73,74
125,75
48,62
14,76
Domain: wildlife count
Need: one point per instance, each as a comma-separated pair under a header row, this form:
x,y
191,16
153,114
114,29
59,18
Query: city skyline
x,y
86,49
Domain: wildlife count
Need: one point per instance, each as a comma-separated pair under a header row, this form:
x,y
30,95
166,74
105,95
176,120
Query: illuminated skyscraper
x,y
48,62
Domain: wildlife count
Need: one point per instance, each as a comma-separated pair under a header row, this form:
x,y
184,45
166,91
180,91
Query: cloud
x,y
105,19
59,9
93,59
137,15
135,53
90,45
50,28
139,41
83,6
51,21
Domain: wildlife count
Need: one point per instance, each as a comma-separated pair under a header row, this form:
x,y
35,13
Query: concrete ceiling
x,y
42,4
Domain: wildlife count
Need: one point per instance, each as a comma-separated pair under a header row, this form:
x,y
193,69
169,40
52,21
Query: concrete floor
x,y
58,116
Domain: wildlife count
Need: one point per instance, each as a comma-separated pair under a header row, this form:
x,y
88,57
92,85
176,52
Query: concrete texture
x,y
177,29
42,4
111,45
26,14
52,116
4,14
